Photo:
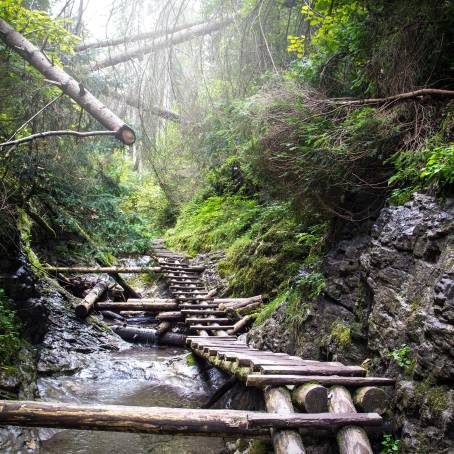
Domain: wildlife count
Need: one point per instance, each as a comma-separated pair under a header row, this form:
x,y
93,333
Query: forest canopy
x,y
322,111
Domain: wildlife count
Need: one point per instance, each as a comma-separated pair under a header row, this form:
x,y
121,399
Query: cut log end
x,y
370,399
311,397
126,135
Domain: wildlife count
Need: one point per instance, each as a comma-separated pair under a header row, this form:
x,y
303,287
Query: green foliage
x,y
390,445
341,334
10,338
429,168
212,224
401,356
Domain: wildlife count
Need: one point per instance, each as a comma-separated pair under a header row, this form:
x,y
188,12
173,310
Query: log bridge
x,y
301,396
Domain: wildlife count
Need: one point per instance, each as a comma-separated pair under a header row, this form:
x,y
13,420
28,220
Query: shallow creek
x,y
146,376
135,375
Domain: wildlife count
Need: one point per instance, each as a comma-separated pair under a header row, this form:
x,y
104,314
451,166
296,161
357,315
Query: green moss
x,y
437,398
190,360
269,309
24,226
341,334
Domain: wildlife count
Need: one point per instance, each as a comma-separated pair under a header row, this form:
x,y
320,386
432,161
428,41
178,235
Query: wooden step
x,y
207,320
312,370
261,381
187,287
197,305
201,312
211,328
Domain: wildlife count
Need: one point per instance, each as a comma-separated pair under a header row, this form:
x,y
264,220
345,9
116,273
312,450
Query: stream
x,y
143,375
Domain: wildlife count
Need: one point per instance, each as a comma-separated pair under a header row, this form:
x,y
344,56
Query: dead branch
x,y
42,135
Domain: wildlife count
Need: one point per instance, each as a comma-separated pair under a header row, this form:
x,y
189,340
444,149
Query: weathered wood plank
x,y
211,328
103,269
148,307
261,381
313,370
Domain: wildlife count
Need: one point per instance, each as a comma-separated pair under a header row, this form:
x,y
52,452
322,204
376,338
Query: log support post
x,y
311,397
278,400
350,439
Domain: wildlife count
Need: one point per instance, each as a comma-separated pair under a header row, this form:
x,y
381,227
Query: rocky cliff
x,y
389,304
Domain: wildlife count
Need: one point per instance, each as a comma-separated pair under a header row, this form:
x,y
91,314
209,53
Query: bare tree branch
x,y
395,98
43,135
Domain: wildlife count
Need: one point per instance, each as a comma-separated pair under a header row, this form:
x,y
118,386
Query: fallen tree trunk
x,y
103,269
161,420
163,43
156,306
29,52
311,397
86,305
149,336
135,38
112,316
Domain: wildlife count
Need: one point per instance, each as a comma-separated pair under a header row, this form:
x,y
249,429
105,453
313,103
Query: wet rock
x,y
392,287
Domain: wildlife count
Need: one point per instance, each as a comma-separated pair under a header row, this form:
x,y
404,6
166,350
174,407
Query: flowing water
x,y
145,376
135,375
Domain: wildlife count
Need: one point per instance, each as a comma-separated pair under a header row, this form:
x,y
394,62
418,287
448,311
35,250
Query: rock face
x,y
389,301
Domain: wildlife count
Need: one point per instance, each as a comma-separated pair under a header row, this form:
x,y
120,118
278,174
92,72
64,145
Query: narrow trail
x,y
300,395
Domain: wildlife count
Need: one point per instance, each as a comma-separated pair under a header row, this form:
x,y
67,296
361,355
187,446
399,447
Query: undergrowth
x,y
10,338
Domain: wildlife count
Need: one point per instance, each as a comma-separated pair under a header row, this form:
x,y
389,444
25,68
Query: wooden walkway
x,y
323,387
300,395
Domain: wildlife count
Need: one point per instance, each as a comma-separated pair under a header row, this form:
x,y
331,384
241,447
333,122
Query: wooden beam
x,y
161,420
86,305
261,381
148,307
103,269
353,438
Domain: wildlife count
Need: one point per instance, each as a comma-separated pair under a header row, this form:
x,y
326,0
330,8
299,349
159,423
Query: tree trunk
x,y
149,336
86,305
135,38
14,40
161,420
370,399
163,43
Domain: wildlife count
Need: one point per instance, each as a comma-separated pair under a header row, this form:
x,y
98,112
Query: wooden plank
x,y
103,269
260,381
201,312
174,315
207,320
161,420
148,307
313,370
211,328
